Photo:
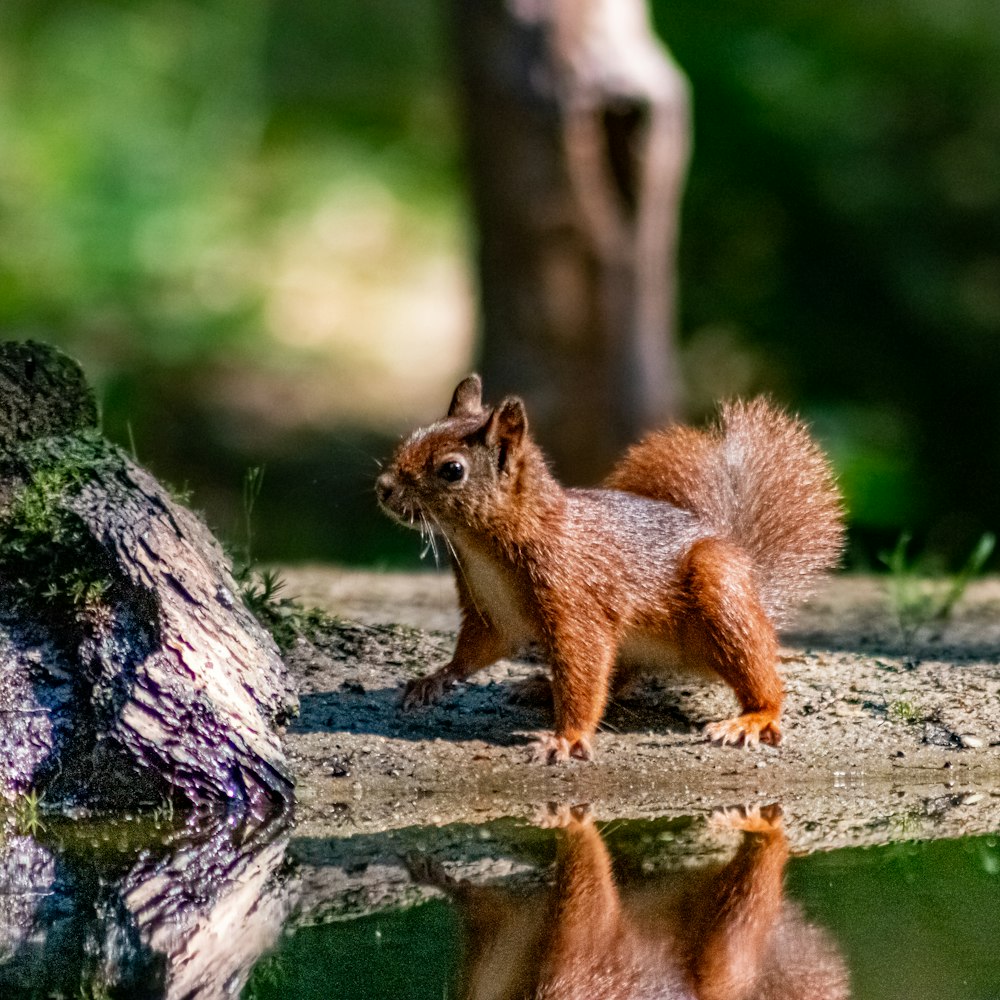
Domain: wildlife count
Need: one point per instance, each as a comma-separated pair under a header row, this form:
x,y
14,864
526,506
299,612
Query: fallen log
x,y
131,673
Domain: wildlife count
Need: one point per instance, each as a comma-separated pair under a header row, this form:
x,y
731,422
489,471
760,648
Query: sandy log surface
x,y
886,735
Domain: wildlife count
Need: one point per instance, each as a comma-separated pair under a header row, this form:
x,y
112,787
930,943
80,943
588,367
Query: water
x,y
911,919
513,908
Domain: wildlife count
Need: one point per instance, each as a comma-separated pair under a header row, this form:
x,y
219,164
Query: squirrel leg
x,y
730,930
581,673
727,626
479,644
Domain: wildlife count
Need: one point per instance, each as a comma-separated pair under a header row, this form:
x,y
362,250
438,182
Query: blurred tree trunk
x,y
577,132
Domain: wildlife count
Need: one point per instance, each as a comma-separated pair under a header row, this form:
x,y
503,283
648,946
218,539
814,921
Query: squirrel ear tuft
x,y
467,400
507,427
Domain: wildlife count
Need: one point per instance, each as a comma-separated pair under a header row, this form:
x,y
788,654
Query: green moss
x,y
78,588
35,509
47,555
50,471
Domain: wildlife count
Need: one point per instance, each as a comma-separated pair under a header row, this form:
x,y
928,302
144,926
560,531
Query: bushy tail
x,y
757,478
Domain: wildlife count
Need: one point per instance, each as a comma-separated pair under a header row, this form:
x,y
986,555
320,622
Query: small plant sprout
x,y
919,600
163,814
261,588
904,711
27,818
253,483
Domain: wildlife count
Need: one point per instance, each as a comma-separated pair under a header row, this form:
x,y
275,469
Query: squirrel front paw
x,y
427,690
554,749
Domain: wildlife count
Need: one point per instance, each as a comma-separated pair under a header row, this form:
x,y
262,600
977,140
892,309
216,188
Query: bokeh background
x,y
248,220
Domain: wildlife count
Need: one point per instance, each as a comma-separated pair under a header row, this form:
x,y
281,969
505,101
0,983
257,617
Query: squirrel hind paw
x,y
534,691
424,870
746,730
554,749
749,819
560,815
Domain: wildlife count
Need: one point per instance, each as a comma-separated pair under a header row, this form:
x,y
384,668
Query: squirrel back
x,y
759,480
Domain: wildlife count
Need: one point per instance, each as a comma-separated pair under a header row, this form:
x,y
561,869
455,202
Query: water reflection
x,y
86,911
721,932
565,907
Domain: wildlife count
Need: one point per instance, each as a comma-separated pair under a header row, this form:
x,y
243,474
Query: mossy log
x,y
130,670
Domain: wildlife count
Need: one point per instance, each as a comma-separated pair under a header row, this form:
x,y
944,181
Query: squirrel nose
x,y
385,486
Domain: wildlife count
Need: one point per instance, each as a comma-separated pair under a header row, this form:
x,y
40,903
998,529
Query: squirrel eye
x,y
451,471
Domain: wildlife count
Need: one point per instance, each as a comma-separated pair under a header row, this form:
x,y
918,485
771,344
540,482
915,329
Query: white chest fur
x,y
493,595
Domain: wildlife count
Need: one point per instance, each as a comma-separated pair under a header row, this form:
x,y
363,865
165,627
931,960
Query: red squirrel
x,y
713,933
691,554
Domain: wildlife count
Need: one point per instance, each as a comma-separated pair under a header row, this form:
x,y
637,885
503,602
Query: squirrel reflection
x,y
723,933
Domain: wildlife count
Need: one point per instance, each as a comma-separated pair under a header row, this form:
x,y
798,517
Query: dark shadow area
x,y
377,712
936,646
492,712
865,615
58,714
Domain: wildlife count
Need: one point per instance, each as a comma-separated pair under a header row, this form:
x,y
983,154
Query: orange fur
x,y
722,933
700,543
757,477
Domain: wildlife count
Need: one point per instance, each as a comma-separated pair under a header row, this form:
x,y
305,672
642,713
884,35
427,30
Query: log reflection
x,y
184,919
720,933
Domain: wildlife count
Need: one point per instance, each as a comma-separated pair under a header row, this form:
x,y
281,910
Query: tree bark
x,y
577,132
130,670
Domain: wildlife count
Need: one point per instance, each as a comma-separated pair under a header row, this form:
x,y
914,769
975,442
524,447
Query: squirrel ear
x,y
467,400
506,428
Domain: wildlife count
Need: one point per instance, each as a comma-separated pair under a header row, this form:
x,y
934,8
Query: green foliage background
x,y
841,243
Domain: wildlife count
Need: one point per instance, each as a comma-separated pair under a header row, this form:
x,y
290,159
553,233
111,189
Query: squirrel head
x,y
463,470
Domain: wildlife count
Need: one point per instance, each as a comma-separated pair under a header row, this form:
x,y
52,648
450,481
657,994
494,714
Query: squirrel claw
x,y
746,730
749,819
559,815
554,749
424,691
